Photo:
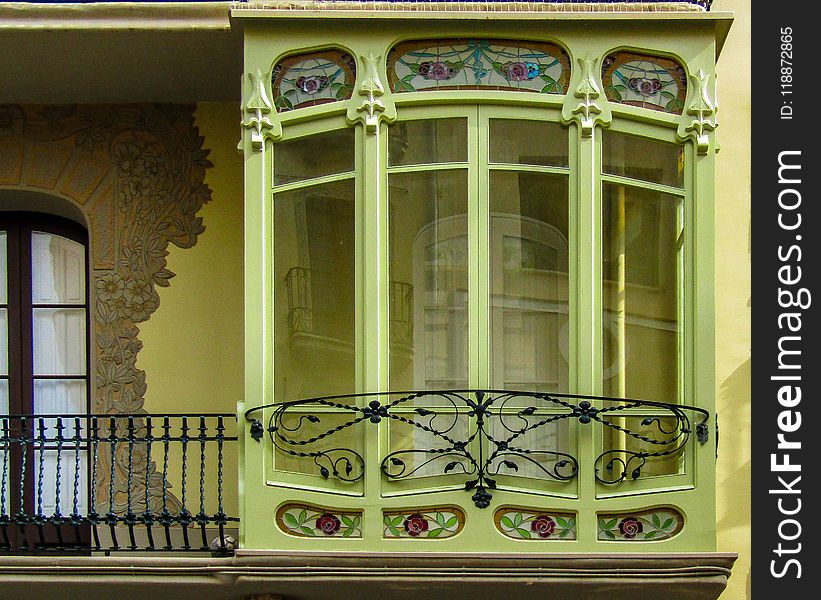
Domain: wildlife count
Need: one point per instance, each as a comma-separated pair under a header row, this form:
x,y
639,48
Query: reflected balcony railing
x,y
101,483
320,304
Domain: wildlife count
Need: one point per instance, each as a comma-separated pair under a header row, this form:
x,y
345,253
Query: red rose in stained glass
x,y
328,524
630,527
416,525
543,525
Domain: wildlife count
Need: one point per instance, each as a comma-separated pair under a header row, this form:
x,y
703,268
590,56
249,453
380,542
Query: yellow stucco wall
x,y
193,344
733,297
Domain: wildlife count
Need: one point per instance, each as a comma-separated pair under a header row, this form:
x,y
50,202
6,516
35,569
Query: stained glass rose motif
x,y
630,527
543,526
328,524
312,84
438,71
644,86
416,525
520,71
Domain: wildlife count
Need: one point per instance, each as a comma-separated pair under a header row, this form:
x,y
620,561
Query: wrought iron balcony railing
x,y
491,440
91,483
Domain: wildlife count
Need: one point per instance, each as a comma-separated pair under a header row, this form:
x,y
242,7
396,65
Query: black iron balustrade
x,y
92,483
499,423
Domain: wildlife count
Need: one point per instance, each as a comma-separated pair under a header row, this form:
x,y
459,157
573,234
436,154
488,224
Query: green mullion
x,y
314,181
479,243
528,168
643,185
585,321
428,167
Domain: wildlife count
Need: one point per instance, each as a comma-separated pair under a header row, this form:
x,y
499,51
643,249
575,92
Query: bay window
x,y
475,269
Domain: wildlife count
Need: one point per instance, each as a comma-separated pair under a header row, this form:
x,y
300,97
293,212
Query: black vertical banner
x,y
786,269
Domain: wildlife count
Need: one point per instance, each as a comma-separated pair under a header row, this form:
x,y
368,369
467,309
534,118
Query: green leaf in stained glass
x,y
290,520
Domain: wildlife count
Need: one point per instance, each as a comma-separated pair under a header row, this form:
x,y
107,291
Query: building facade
x,y
307,298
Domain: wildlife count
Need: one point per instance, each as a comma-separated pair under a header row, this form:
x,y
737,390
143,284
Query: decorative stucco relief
x,y
137,172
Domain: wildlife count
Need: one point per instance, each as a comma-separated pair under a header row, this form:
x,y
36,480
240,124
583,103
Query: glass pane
x,y
528,142
546,444
59,341
529,287
429,260
654,466
643,158
4,341
297,427
73,470
4,268
410,443
642,247
314,156
59,396
428,142
58,274
314,297
4,398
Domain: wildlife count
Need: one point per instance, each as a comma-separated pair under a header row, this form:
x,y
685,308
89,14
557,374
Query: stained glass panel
x,y
647,81
470,64
311,79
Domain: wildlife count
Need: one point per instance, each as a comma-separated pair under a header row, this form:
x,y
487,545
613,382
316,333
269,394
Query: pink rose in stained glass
x,y
644,86
312,83
438,71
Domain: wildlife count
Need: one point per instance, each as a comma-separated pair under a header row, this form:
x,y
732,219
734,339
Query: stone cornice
x,y
173,16
389,576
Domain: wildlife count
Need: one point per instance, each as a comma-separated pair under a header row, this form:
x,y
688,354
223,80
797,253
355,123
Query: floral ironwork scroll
x,y
495,442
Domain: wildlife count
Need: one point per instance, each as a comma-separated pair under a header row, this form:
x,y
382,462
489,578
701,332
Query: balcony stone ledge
x,y
271,575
